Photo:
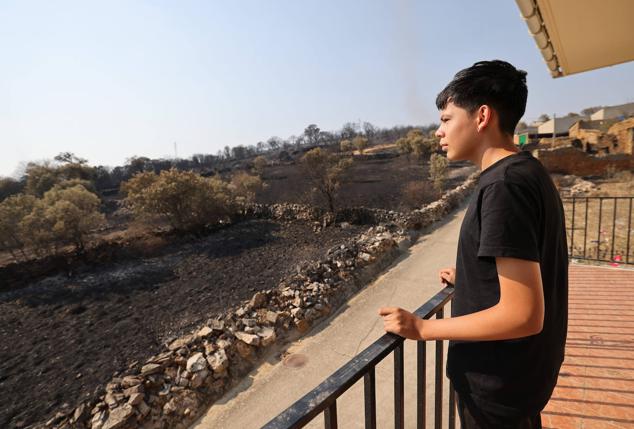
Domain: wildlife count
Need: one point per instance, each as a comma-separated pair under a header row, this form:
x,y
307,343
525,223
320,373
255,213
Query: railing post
x,y
421,383
572,229
322,399
439,377
629,231
452,406
618,240
330,416
599,227
613,228
585,230
369,384
399,387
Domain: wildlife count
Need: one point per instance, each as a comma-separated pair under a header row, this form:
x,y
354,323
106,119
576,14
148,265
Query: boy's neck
x,y
494,152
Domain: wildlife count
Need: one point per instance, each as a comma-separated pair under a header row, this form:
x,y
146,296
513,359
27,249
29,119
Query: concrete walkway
x,y
408,283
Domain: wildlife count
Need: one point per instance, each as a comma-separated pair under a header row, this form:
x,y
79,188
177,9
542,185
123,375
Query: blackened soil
x,y
62,339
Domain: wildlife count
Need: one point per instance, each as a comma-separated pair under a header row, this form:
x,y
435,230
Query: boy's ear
x,y
483,116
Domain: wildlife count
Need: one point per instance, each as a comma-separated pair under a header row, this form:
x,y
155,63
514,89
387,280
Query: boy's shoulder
x,y
521,169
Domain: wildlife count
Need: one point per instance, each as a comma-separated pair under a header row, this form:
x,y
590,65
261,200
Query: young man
x,y
509,314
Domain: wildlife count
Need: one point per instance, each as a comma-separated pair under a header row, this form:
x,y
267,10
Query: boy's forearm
x,y
493,323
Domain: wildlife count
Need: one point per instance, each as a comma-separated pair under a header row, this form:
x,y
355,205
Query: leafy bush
x,y
346,146
12,211
438,170
360,143
72,213
64,215
185,199
244,188
42,177
403,146
9,186
417,144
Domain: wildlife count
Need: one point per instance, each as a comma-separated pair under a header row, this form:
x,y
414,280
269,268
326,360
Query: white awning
x,y
579,35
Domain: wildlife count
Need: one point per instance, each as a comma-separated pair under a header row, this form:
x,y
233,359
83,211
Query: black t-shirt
x,y
515,211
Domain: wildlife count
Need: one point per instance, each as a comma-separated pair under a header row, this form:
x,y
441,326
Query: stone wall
x,y
171,389
624,131
413,220
570,160
587,135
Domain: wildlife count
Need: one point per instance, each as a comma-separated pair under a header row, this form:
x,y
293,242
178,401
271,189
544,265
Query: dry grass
x,y
603,220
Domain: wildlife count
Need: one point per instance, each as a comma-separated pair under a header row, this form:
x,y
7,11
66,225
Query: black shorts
x,y
471,417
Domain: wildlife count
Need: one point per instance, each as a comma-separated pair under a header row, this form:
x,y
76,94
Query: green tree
x,y
9,186
185,199
70,158
37,230
73,213
71,183
312,133
324,171
12,211
40,178
62,215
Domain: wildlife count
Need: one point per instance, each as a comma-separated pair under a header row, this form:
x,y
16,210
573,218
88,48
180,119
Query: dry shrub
x,y
185,199
324,172
418,193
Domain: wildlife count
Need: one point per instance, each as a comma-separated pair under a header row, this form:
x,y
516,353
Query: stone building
x,y
624,132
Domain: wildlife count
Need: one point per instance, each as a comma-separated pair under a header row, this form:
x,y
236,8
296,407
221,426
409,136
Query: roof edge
x,y
537,28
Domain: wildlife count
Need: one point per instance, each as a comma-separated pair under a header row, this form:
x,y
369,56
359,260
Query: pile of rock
x,y
581,188
436,210
571,186
170,389
285,211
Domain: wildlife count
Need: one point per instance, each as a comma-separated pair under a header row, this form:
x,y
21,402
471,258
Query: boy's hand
x,y
402,322
448,275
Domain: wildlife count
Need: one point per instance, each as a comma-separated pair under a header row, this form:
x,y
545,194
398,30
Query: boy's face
x,y
458,132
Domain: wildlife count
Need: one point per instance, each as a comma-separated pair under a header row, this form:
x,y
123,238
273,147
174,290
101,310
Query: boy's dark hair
x,y
495,83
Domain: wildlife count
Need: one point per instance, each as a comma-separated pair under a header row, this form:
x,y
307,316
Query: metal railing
x,y
323,398
613,235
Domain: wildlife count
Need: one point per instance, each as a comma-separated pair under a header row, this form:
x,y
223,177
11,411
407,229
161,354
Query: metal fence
x,y
323,398
600,228
609,219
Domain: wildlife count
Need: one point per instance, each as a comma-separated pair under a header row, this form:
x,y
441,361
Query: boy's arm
x,y
519,313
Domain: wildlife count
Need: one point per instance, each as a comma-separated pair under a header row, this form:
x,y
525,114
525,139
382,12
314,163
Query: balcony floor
x,y
595,388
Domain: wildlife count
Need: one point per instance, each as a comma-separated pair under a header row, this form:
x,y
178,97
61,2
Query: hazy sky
x,y
116,79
